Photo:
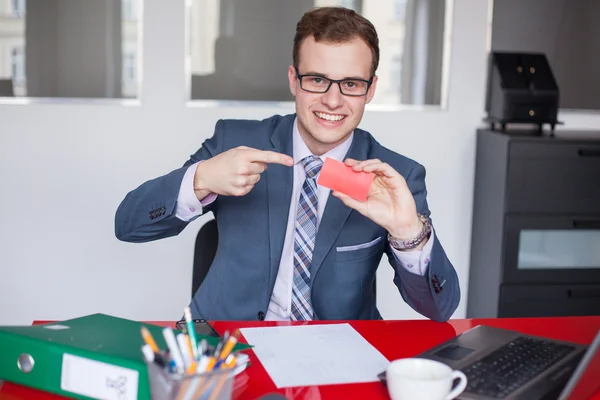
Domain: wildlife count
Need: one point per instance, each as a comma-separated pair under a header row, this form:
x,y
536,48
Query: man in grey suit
x,y
290,249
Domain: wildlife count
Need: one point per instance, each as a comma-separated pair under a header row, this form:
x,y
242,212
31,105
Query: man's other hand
x,y
235,172
390,202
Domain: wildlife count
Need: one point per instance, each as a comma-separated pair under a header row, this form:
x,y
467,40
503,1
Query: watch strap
x,y
400,244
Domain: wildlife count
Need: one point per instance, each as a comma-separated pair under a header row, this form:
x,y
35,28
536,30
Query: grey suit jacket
x,y
252,229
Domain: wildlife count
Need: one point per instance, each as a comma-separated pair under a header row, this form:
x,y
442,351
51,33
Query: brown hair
x,y
336,25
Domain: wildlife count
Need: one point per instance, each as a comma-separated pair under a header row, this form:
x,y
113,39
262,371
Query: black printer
x,y
521,89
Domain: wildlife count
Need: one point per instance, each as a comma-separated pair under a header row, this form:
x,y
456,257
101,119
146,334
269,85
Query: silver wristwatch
x,y
400,244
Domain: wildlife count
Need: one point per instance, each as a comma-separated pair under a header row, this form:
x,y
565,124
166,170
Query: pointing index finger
x,y
271,157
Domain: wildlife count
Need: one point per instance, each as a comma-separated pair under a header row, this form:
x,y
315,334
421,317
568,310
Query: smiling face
x,y
327,119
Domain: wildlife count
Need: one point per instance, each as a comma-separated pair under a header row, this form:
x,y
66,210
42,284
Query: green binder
x,y
95,356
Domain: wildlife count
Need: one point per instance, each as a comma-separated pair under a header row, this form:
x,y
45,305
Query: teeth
x,y
329,117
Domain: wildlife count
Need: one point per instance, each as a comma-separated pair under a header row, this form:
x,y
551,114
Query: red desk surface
x,y
394,339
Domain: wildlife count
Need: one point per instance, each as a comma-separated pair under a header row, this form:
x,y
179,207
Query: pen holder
x,y
214,385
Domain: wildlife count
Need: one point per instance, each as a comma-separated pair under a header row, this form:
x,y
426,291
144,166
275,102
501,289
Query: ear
x,y
372,88
293,79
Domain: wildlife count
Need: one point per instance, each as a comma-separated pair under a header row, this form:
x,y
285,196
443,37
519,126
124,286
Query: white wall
x,y
64,168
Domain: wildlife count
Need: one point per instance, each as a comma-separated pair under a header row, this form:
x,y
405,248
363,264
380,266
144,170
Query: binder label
x,y
56,327
98,379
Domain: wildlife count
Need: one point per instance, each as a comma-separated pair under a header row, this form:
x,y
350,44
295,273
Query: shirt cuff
x,y
188,205
416,261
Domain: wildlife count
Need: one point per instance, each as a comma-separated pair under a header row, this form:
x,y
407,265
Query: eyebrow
x,y
325,76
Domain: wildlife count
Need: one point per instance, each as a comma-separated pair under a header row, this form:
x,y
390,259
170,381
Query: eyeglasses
x,y
320,84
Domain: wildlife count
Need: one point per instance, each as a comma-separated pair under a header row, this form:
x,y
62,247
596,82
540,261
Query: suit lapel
x,y
336,213
279,189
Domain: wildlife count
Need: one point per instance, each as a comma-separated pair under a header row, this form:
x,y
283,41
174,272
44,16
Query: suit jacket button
x,y
261,316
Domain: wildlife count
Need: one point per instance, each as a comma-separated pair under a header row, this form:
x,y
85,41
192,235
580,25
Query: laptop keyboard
x,y
513,365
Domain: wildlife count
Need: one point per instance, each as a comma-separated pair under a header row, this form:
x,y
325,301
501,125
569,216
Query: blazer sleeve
x,y
436,294
147,213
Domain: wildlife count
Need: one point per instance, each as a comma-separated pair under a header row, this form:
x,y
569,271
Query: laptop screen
x,y
585,381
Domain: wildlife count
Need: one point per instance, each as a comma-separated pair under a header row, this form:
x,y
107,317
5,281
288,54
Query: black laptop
x,y
504,364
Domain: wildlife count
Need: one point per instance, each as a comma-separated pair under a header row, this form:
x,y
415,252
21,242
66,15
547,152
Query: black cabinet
x,y
535,248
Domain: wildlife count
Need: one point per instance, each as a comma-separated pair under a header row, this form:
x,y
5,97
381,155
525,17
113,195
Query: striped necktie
x,y
304,240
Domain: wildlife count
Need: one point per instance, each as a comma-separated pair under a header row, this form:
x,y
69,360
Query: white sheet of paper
x,y
308,355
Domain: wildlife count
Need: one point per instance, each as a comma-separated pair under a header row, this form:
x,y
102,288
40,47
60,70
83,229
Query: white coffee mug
x,y
423,379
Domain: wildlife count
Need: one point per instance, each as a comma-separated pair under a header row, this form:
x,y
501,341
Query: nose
x,y
334,97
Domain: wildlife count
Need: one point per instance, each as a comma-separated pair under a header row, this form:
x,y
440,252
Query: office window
x,y
129,68
129,75
399,10
396,73
351,4
128,10
234,55
18,8
12,48
73,48
348,4
18,65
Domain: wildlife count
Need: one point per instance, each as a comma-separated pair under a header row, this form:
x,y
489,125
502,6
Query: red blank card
x,y
339,177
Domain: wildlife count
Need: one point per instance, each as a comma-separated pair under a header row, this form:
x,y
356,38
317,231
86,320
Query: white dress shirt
x,y
188,206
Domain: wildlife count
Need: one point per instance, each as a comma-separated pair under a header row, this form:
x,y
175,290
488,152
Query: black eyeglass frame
x,y
332,81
